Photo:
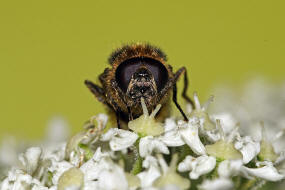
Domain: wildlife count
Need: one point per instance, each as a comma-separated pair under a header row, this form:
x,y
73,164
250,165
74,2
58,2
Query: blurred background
x,y
48,48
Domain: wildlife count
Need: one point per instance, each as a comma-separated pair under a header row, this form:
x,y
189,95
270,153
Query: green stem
x,y
137,167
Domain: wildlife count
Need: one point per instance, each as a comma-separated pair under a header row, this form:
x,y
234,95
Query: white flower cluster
x,y
259,100
151,156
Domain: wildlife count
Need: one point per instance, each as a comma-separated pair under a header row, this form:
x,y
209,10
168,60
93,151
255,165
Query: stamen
x,y
221,131
206,105
233,134
155,111
145,111
162,163
196,101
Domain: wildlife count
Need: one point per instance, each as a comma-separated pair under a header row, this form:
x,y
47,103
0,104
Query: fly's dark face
x,y
141,77
138,71
142,84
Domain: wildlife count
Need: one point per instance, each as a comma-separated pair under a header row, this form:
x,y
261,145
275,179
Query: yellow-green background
x,y
48,48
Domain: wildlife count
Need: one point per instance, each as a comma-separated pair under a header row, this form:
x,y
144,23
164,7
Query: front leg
x,y
174,98
184,95
118,118
96,90
171,84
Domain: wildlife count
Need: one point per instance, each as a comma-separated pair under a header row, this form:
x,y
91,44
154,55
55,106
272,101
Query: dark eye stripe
x,y
127,68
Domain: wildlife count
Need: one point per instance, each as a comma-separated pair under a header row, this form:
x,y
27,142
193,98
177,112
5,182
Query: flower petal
x,y
171,136
148,176
205,164
217,184
198,166
186,164
267,172
149,144
170,178
229,168
112,179
248,148
152,172
92,167
189,133
119,139
30,159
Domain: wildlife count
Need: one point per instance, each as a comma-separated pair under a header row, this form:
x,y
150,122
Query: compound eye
x,y
124,74
159,73
126,70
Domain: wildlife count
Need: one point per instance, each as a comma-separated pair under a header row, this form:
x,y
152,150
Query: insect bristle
x,y
137,50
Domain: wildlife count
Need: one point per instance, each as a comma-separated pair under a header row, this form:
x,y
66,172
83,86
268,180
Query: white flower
x,y
101,120
119,139
149,144
248,148
171,136
217,184
189,133
71,179
169,178
55,151
151,173
227,120
184,132
16,180
267,152
19,180
211,135
30,159
94,128
73,145
75,167
76,158
146,125
94,166
200,112
39,187
107,174
224,148
97,123
267,172
90,185
58,168
229,168
198,166
112,178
